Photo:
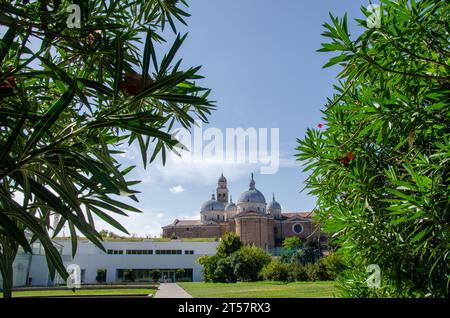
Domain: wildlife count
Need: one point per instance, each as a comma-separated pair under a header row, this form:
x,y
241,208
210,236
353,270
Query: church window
x,y
297,228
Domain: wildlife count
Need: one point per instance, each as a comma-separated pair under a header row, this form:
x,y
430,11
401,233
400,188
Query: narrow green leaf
x,y
50,117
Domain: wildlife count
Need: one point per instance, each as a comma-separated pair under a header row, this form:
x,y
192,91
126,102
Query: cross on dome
x,y
252,183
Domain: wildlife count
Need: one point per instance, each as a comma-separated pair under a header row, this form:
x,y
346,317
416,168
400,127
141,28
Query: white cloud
x,y
198,172
177,189
193,170
148,223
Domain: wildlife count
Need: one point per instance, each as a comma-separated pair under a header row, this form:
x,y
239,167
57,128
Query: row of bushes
x,y
328,268
234,262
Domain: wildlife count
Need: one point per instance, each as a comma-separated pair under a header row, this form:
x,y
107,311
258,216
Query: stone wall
x,y
193,231
254,228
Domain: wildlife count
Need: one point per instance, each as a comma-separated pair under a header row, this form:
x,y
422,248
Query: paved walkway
x,y
171,290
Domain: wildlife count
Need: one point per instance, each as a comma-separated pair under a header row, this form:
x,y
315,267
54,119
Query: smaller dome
x,y
274,205
212,205
231,207
222,178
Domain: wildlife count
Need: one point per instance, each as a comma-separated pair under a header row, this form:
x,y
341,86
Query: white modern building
x,y
123,261
134,261
31,269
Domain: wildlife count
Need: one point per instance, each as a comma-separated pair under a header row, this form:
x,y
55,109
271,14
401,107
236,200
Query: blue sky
x,y
260,60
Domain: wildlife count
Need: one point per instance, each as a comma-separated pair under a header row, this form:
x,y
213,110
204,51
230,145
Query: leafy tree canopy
x,y
229,243
69,99
292,243
380,167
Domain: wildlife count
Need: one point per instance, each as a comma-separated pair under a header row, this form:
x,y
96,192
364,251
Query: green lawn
x,y
83,292
262,290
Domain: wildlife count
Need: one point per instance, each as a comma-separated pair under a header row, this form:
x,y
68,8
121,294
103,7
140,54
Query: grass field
x,y
262,290
83,292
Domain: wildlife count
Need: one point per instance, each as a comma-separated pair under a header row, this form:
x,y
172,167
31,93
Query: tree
x,y
294,251
69,98
229,243
209,264
248,262
292,243
224,270
219,267
380,167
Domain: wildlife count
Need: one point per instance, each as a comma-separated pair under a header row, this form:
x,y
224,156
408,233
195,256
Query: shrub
x,y
248,262
229,244
331,266
156,275
180,274
217,268
101,276
276,271
312,270
297,272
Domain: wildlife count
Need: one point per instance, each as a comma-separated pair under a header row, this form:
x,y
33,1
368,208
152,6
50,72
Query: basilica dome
x,y
212,205
231,207
274,208
274,205
252,195
222,178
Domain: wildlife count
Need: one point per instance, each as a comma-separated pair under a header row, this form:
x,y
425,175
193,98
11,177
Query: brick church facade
x,y
255,221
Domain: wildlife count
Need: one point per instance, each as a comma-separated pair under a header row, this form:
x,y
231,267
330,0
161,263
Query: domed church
x,y
255,221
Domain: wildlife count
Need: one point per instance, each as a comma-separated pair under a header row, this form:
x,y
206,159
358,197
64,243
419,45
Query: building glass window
x,y
168,252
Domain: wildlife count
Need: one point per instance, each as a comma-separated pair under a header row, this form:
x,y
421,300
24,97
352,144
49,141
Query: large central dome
x,y
252,195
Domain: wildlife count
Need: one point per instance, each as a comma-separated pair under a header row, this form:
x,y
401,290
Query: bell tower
x,y
222,190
